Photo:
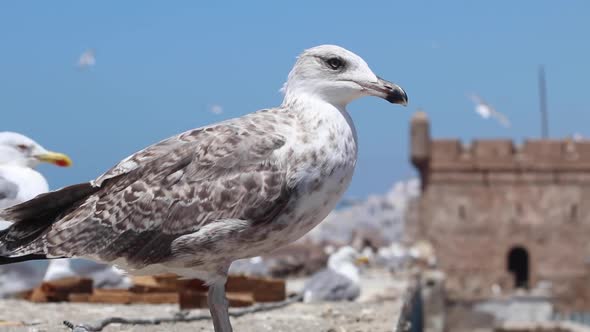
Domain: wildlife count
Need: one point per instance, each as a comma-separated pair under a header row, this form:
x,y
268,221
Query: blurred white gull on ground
x,y
392,257
340,281
103,275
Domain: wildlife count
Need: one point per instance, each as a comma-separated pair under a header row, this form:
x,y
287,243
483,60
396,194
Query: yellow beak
x,y
55,158
362,260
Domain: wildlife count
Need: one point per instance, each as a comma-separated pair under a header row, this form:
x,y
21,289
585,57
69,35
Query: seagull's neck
x,y
301,97
311,106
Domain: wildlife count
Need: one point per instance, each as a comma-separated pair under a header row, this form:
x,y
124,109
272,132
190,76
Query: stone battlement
x,y
502,215
504,155
500,155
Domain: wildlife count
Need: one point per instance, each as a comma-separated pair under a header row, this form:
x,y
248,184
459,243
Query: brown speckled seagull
x,y
195,202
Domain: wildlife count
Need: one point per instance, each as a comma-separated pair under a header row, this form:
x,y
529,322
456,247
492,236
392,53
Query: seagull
x,y
19,155
486,111
193,203
19,182
216,109
87,59
102,275
340,281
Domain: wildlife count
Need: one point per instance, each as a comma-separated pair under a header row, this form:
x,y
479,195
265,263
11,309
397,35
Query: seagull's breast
x,y
322,158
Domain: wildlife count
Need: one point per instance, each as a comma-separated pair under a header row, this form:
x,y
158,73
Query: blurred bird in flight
x,y
87,59
486,110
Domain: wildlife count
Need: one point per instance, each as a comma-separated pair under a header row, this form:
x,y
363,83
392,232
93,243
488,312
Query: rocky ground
x,y
376,311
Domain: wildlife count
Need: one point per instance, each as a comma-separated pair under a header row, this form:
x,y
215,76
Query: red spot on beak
x,y
62,163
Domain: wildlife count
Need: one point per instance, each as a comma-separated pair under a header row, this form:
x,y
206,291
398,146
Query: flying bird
x,y
339,281
87,59
193,203
216,109
486,111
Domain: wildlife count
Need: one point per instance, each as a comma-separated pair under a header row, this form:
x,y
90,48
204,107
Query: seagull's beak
x,y
361,260
55,158
391,92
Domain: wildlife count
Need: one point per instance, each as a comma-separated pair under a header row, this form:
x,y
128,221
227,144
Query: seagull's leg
x,y
218,306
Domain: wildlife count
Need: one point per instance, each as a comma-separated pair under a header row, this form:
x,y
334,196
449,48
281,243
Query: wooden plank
x,y
241,299
189,299
264,289
194,299
68,285
38,296
58,290
165,283
125,297
156,298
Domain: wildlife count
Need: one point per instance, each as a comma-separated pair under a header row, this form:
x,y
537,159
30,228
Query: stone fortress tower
x,y
505,216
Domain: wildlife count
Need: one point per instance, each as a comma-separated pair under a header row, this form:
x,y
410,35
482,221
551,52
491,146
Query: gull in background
x,y
19,155
216,109
339,281
577,137
87,59
20,182
486,111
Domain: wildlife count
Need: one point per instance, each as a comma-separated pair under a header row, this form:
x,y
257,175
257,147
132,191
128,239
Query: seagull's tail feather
x,y
32,218
48,205
24,258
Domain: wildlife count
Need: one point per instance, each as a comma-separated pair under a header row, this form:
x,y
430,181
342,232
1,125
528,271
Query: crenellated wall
x,y
482,200
504,155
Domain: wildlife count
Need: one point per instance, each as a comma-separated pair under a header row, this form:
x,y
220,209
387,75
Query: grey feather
x,y
8,189
175,187
329,285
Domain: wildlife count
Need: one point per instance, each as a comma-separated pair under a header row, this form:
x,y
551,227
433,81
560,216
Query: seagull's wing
x,y
8,192
481,107
223,172
87,59
476,99
329,285
501,118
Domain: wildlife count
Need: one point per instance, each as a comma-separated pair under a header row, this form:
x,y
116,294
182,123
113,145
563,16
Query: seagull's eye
x,y
22,147
335,63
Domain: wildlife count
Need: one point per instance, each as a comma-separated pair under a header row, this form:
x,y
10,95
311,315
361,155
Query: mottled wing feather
x,y
173,188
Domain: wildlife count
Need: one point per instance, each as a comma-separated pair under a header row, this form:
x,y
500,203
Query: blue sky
x,y
162,65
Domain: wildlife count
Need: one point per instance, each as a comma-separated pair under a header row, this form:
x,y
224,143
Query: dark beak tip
x,y
397,96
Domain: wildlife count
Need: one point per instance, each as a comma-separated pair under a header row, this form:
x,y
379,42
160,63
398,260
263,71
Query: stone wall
x,y
543,327
480,201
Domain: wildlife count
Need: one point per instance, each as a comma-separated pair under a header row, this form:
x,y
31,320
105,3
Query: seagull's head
x,y
338,76
347,255
19,150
